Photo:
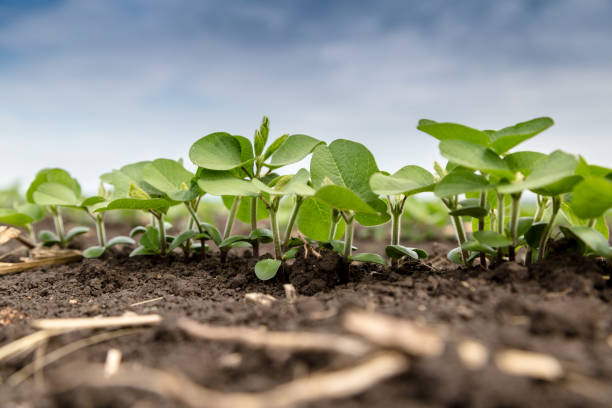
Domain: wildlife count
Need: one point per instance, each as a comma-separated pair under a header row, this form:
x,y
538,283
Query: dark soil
x,y
561,307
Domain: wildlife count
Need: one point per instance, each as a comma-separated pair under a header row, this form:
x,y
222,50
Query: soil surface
x,y
561,307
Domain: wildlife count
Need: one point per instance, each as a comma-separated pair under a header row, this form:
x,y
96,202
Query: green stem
x,y
231,217
348,237
196,221
294,212
516,207
254,225
500,221
278,252
396,218
451,205
591,223
556,205
541,207
59,224
100,230
335,218
481,224
163,245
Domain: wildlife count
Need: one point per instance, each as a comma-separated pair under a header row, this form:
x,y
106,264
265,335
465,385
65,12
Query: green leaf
x,y
476,157
592,197
557,166
36,212
296,184
369,258
13,217
233,239
92,201
170,177
212,231
142,251
267,268
314,220
534,233
454,255
275,145
128,175
262,235
217,151
150,239
74,232
591,238
509,137
399,251
48,237
55,194
408,180
477,247
475,211
524,162
56,176
181,238
294,149
94,251
157,204
461,182
453,131
523,225
290,254
120,240
138,230
294,242
261,136
492,238
343,199
222,183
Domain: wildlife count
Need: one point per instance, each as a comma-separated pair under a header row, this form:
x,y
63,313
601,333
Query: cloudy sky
x,y
90,85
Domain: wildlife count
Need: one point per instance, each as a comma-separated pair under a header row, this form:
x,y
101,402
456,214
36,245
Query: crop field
x,y
483,281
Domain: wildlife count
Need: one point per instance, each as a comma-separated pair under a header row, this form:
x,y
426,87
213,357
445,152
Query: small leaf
x,y
56,176
592,197
13,217
369,258
591,238
217,151
275,145
478,247
509,137
181,238
262,235
476,157
120,240
461,182
408,180
534,233
453,131
343,199
141,251
314,220
261,136
226,183
55,194
92,201
267,268
290,254
156,204
76,231
138,230
150,239
231,240
523,225
294,242
94,251
338,246
399,251
492,238
524,162
48,237
170,177
476,212
212,231
294,149
455,256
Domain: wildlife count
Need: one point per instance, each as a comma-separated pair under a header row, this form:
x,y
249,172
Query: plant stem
x,y
163,245
591,223
541,207
196,220
278,252
254,225
100,230
59,224
500,221
231,217
348,237
451,205
556,205
516,206
335,218
481,224
294,212
396,221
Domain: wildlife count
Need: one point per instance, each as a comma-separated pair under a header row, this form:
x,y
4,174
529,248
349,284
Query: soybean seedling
x,y
407,181
341,173
225,161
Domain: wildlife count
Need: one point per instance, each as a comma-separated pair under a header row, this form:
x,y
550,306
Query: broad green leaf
x,y
150,239
477,247
217,151
461,182
592,197
557,166
13,217
55,175
314,220
33,210
226,183
92,201
267,268
343,199
408,180
246,153
455,256
157,204
94,251
369,220
399,251
55,194
296,184
125,177
474,211
524,162
120,240
476,157
142,251
263,235
492,238
509,137
170,177
369,258
74,232
181,239
453,131
294,149
591,238
534,233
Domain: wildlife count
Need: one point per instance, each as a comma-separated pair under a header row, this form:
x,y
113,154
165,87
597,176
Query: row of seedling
x,y
484,181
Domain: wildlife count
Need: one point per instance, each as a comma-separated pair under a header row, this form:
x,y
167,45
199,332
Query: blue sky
x,y
90,85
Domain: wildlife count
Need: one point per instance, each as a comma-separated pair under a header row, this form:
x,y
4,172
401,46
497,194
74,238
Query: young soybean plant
x,y
24,216
296,186
407,181
228,163
132,192
341,173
